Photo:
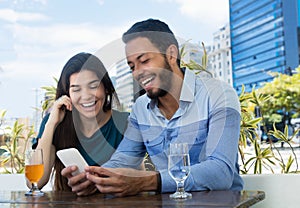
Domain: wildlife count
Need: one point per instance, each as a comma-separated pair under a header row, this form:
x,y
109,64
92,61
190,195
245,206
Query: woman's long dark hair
x,y
65,134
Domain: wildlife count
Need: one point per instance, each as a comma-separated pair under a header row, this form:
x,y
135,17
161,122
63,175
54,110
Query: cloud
x,y
207,15
12,16
43,50
43,2
209,12
55,43
100,2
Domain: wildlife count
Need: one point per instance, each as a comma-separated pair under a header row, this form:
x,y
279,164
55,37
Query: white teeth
x,y
146,81
88,104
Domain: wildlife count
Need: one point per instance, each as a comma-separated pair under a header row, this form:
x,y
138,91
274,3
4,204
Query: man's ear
x,y
172,54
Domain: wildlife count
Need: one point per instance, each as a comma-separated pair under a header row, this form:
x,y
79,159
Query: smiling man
x,y
178,107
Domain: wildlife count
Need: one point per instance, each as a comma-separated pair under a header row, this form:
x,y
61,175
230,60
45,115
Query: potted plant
x,y
257,156
12,151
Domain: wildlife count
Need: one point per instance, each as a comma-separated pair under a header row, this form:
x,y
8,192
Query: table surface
x,y
147,199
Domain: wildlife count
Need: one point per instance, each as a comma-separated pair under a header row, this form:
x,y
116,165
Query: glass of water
x,y
179,168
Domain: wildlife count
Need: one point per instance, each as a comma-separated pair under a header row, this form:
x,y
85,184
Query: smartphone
x,y
70,157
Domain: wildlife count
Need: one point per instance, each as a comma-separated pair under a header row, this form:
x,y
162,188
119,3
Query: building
x,y
263,39
124,84
127,88
219,55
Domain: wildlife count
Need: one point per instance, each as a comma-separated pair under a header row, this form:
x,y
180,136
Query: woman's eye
x,y
94,86
75,89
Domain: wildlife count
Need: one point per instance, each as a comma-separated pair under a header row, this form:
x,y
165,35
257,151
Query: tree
x,y
284,99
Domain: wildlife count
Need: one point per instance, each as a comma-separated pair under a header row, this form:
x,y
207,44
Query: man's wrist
x,y
158,182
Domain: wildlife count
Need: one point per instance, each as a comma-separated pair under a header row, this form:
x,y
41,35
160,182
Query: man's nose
x,y
136,73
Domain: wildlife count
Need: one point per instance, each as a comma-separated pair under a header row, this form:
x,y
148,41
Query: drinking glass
x,y
179,168
34,170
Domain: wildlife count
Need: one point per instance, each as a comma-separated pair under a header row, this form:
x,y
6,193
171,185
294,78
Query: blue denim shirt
x,y
208,119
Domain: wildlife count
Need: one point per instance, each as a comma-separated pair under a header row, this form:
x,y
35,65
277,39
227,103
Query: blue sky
x,y
37,37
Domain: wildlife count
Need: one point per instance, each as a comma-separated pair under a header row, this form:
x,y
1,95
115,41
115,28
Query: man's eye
x,y
131,68
145,61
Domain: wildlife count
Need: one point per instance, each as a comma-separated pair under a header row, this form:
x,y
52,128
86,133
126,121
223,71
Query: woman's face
x,y
87,93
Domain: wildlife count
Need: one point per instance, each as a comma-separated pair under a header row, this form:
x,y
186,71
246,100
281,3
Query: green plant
x,y
50,93
192,65
15,143
262,157
285,90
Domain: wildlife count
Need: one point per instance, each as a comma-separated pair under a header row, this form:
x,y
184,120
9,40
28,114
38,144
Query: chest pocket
x,y
195,135
154,140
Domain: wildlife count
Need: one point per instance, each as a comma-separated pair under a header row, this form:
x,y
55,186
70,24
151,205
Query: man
x,y
177,107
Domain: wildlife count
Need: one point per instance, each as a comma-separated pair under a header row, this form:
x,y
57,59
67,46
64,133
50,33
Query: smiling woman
x,y
82,118
87,94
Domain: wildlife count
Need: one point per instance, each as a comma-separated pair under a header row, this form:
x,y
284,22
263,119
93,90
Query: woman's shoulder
x,y
120,114
120,119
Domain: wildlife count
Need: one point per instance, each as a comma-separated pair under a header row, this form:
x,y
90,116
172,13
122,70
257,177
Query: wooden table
x,y
144,200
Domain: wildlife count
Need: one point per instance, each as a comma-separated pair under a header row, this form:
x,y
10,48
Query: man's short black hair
x,y
149,25
158,33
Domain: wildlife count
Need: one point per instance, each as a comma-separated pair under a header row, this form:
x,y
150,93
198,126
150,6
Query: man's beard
x,y
165,76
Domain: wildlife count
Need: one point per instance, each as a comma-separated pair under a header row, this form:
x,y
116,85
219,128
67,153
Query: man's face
x,y
149,67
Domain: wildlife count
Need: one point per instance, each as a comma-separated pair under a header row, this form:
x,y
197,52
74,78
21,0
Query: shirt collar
x,y
188,86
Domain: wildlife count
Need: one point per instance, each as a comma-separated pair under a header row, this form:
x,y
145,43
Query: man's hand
x,y
79,184
122,181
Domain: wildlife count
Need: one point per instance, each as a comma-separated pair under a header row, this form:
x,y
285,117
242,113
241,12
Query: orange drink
x,y
34,172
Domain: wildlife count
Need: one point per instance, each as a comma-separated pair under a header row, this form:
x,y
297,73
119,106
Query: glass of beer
x,y
34,170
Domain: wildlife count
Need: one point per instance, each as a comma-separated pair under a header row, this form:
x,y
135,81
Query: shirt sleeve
x,y
131,151
41,131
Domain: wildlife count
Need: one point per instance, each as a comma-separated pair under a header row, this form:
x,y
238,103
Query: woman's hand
x,y
59,109
79,184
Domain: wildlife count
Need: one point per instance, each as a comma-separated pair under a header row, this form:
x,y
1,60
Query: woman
x,y
81,117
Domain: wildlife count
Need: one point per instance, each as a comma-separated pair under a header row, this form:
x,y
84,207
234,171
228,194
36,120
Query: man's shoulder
x,y
213,85
143,100
141,106
218,92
